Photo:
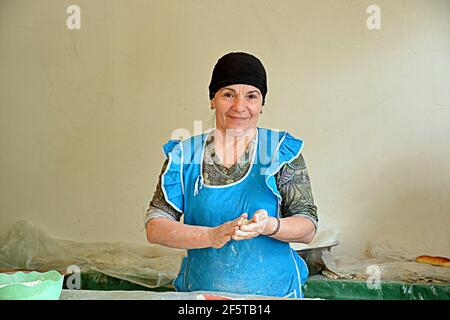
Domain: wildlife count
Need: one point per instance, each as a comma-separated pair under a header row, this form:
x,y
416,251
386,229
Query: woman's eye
x,y
228,95
253,96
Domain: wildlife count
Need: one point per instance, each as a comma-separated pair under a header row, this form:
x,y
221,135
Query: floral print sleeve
x,y
295,188
159,207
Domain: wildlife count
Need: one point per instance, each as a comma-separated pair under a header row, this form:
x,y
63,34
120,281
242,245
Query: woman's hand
x,y
259,225
223,233
237,229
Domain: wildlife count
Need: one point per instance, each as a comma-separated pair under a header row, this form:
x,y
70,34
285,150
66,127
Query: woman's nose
x,y
239,103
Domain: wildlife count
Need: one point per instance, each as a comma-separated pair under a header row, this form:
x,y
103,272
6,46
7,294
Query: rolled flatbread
x,y
435,261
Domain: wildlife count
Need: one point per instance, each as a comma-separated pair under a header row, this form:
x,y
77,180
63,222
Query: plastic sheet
x,y
385,263
28,247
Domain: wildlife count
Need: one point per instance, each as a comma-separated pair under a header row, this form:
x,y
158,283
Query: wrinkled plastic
x,y
385,264
28,247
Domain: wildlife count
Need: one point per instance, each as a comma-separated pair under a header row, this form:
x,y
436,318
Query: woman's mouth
x,y
237,118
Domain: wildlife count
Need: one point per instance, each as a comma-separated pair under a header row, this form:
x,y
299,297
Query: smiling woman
x,y
237,111
237,107
234,172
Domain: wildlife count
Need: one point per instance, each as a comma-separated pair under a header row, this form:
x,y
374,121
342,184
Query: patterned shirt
x,y
292,180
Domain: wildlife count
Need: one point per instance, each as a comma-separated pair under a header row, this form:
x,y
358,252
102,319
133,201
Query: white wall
x,y
83,113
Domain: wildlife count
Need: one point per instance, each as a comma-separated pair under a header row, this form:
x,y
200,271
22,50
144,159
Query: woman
x,y
244,192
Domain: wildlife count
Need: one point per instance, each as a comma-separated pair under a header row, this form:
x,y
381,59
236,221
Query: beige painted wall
x,y
83,113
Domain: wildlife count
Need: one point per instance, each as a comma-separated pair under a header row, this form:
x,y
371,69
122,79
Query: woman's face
x,y
237,107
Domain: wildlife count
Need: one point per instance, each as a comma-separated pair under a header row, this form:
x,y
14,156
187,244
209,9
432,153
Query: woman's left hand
x,y
257,226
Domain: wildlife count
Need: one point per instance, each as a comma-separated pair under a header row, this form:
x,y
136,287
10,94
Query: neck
x,y
235,136
230,146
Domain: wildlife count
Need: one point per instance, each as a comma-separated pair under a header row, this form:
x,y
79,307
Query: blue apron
x,y
258,266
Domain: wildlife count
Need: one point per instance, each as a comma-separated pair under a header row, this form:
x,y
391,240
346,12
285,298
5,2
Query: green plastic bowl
x,y
31,286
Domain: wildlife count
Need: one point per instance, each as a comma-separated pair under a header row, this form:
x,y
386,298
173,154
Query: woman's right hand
x,y
223,233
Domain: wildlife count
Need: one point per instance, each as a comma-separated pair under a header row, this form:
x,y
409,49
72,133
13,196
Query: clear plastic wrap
x,y
386,263
27,247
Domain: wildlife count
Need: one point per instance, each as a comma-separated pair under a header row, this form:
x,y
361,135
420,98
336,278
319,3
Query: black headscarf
x,y
238,68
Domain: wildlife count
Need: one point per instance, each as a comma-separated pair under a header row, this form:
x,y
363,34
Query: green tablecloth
x,y
340,289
